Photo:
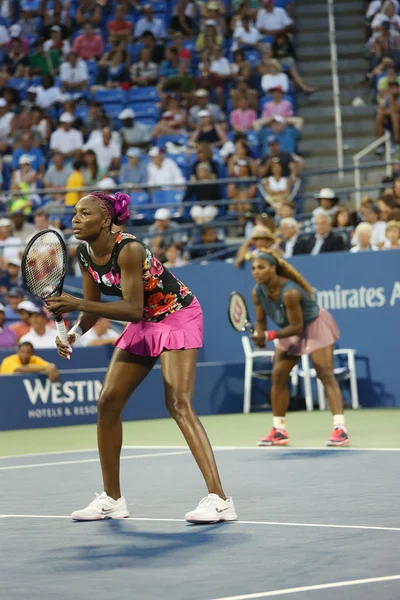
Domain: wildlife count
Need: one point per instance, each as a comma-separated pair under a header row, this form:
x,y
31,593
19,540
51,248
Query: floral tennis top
x,y
163,292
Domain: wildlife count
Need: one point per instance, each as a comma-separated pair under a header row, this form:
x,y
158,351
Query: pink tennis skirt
x,y
321,333
182,329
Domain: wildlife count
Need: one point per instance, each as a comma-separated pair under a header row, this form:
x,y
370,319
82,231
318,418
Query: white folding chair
x,y
296,373
346,373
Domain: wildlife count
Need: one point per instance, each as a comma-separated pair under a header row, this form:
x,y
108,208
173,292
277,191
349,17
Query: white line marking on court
x,y
310,588
80,450
181,447
326,525
232,523
89,460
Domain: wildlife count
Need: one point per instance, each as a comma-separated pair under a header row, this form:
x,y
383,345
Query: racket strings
x,y
238,313
44,268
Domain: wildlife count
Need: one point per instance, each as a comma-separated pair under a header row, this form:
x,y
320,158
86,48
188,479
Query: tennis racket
x,y
238,313
43,269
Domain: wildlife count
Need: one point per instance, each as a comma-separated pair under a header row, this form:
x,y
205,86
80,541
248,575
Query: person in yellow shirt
x,y
26,362
75,180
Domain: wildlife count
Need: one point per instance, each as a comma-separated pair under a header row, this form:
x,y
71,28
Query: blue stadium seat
x,y
148,121
189,45
254,144
182,162
158,6
174,197
182,140
19,83
139,199
82,111
92,67
252,56
147,110
113,110
283,3
268,39
111,96
143,94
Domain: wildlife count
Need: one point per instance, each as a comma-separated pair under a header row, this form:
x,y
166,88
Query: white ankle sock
x,y
338,421
279,422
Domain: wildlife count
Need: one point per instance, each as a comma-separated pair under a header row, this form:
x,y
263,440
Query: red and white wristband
x,y
270,336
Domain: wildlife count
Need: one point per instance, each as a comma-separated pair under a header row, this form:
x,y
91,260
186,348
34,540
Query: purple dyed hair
x,y
117,206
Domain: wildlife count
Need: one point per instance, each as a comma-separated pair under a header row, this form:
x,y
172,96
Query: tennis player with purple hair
x,y
165,321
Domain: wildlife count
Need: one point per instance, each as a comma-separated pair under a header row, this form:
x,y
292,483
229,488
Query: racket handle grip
x,y
62,332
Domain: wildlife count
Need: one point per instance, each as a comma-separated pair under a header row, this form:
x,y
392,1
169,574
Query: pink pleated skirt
x,y
321,333
182,329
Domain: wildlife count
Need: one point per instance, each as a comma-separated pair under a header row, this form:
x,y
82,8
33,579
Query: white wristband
x,y
76,331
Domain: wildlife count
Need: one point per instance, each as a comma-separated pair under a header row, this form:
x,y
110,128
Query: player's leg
x,y
323,364
179,373
283,364
125,372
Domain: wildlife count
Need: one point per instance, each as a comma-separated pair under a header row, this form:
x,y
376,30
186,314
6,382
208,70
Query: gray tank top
x,y
275,309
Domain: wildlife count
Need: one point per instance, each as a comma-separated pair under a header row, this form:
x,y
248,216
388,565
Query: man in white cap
x,y
12,277
10,246
163,172
56,42
26,148
164,232
134,172
106,148
328,200
74,74
202,102
149,23
40,334
66,139
8,124
25,309
131,132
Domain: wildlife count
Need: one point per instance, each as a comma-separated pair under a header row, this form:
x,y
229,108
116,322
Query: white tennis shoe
x,y
212,509
102,507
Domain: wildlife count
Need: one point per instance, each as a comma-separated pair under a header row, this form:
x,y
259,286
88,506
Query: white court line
x,y
310,588
231,524
181,447
88,460
80,450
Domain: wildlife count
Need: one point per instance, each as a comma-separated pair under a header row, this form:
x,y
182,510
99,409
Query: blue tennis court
x,y
301,512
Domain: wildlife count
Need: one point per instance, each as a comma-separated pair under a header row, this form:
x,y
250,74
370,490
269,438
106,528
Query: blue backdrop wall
x,y
361,290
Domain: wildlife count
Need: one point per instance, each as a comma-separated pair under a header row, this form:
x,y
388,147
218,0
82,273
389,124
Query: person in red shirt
x,y
119,28
88,45
177,40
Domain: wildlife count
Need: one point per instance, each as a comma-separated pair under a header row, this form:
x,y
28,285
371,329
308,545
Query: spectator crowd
x,y
191,108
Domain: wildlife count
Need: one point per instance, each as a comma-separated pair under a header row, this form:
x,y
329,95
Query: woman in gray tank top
x,y
283,295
